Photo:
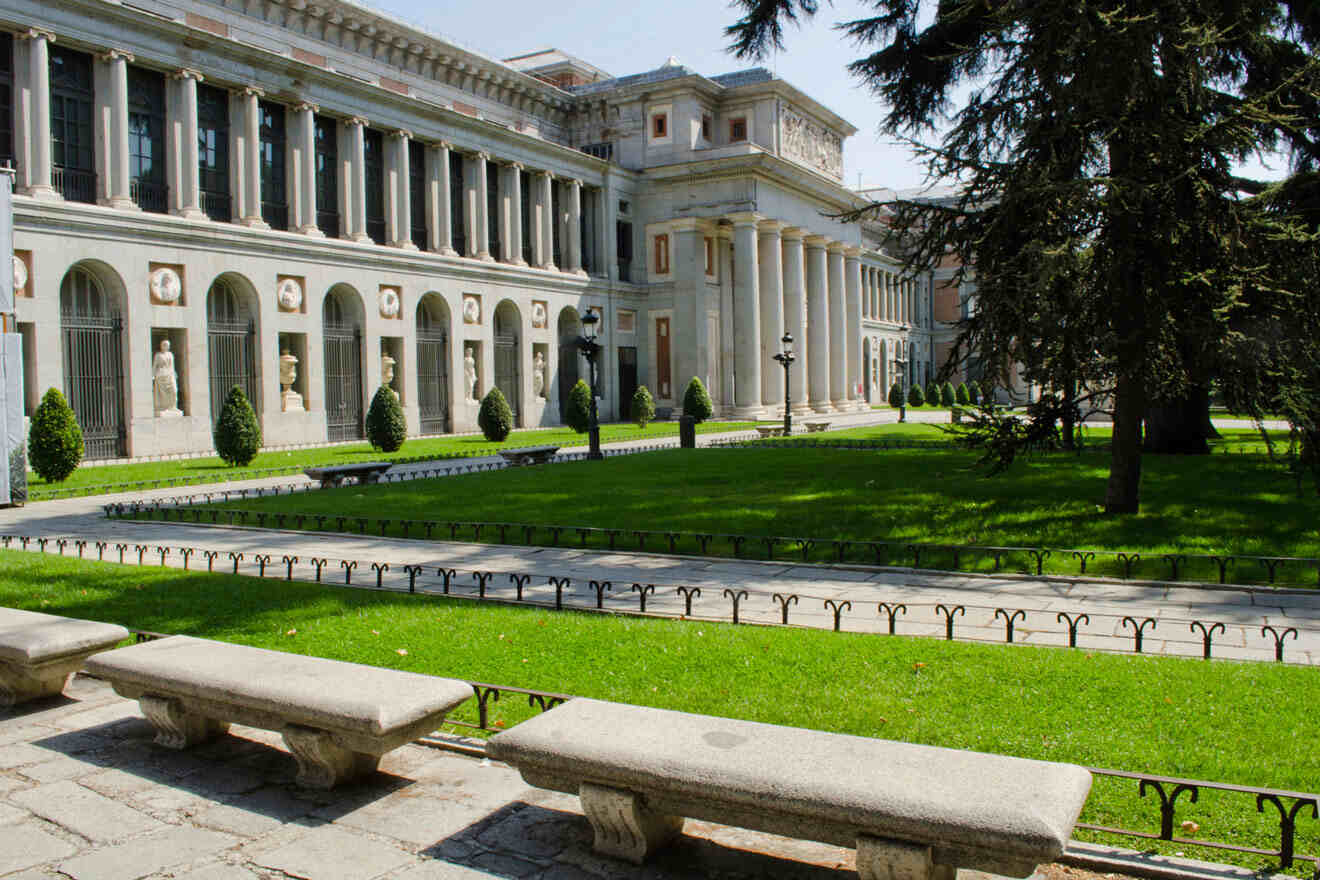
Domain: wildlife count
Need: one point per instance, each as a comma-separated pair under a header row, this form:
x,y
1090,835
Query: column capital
x,y
35,33
516,166
549,175
402,134
852,252
771,227
576,181
835,247
482,155
249,92
793,233
818,242
115,55
745,218
356,120
685,224
442,145
306,107
188,73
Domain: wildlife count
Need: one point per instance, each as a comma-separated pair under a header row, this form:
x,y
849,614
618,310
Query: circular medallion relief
x,y
20,274
289,293
389,303
538,314
165,285
471,310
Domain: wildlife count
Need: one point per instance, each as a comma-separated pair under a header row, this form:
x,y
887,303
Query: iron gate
x,y
508,376
94,381
232,349
433,380
343,383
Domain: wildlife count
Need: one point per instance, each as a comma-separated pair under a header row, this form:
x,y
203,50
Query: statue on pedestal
x,y
165,383
538,375
291,401
470,374
387,373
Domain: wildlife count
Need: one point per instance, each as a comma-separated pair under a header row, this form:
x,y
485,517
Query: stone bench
x,y
529,455
333,475
768,431
336,718
38,652
913,812
813,427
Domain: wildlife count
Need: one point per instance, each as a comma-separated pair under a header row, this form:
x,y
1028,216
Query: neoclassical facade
x,y
311,200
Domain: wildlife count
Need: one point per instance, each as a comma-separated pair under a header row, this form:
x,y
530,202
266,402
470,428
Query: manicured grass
x,y
1217,504
215,470
1209,720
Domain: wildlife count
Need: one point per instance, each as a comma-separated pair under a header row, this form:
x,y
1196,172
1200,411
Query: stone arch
x,y
232,348
433,339
342,319
92,302
506,325
568,330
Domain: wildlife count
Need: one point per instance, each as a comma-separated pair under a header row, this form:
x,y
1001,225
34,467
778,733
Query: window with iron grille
x,y
493,209
417,193
73,158
327,176
458,234
7,99
146,140
213,151
373,169
272,144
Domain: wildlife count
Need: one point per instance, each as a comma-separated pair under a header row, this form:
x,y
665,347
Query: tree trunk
x,y
1179,427
1123,494
1069,418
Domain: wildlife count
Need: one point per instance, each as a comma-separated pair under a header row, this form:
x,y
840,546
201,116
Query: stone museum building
x,y
310,199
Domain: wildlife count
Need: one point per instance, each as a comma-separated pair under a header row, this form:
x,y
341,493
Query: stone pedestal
x,y
170,414
291,401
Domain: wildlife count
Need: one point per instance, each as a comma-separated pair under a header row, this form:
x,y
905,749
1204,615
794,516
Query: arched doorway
x,y
92,331
231,340
433,363
885,381
570,328
508,357
341,326
866,368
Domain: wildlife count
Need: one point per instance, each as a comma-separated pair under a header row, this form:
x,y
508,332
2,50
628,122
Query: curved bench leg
x,y
322,762
176,727
18,684
880,859
625,827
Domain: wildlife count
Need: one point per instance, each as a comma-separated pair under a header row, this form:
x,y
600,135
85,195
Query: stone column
x,y
482,217
573,258
770,256
689,338
853,326
838,329
116,145
546,219
795,311
603,233
818,324
513,231
251,161
357,179
38,172
437,200
304,181
746,317
399,210
187,180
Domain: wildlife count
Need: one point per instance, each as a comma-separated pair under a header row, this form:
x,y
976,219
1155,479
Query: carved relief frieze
x,y
809,143
289,293
165,284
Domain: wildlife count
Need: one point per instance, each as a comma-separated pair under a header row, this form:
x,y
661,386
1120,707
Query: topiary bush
x,y
386,429
974,393
960,395
55,442
947,397
643,406
237,434
916,397
932,393
696,402
896,395
495,418
577,415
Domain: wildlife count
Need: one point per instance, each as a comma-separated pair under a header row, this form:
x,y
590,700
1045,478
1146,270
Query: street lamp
x,y
786,358
901,363
589,347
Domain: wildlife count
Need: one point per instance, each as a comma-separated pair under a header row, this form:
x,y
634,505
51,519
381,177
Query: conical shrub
x,y
386,428
643,406
495,418
696,402
55,442
237,433
577,415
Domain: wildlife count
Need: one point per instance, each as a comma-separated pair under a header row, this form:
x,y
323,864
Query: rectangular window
x,y
146,140
525,202
627,321
493,209
663,375
624,206
623,239
271,144
73,159
417,193
710,255
456,212
6,99
705,126
737,129
662,254
660,125
327,175
213,151
373,170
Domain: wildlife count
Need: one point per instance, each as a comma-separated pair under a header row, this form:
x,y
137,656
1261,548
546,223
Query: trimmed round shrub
x,y
960,395
896,395
577,415
386,429
974,393
932,393
916,397
55,442
696,402
495,418
643,406
946,394
237,434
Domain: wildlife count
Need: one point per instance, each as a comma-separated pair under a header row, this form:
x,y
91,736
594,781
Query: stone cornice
x,y
807,183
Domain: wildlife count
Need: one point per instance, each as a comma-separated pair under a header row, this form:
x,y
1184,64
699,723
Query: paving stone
x,y
146,855
83,811
116,783
218,871
66,767
504,865
23,754
331,853
236,820
26,845
434,869
107,715
12,815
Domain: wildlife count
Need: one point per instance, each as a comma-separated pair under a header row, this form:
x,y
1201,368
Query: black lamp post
x,y
589,347
786,358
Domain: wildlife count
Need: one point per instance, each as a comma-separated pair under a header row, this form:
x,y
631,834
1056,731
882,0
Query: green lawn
x,y
1209,720
213,470
1217,504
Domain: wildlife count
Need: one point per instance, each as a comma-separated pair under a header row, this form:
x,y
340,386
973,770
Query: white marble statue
x,y
538,375
387,372
291,400
470,374
165,384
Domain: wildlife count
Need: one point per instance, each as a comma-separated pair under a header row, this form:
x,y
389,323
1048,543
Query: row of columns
x,y
114,185
887,296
